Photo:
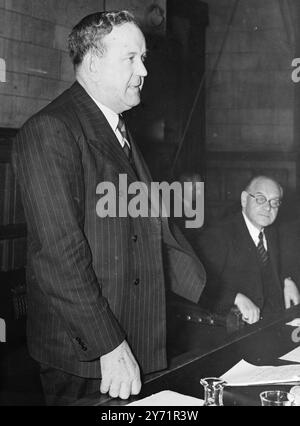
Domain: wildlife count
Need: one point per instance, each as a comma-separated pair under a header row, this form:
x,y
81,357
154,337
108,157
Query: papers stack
x,y
294,323
293,356
168,398
245,374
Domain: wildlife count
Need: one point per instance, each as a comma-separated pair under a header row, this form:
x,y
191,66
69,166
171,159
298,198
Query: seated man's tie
x,y
262,252
272,297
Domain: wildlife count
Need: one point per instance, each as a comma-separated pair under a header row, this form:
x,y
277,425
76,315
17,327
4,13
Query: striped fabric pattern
x,y
262,252
92,281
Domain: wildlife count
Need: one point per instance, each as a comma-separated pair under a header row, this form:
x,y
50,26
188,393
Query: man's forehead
x,y
126,37
266,187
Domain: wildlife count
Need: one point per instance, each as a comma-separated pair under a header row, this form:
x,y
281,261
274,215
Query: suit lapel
x,y
98,132
102,138
145,176
243,238
157,203
273,251
248,243
243,243
141,166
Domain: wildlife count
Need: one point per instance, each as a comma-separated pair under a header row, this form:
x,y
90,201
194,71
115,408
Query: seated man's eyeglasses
x,y
261,199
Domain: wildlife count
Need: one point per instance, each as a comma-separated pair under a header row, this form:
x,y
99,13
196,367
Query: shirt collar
x,y
111,116
253,231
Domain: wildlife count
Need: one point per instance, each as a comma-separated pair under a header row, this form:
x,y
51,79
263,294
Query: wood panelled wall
x,y
228,173
33,44
252,105
250,108
33,36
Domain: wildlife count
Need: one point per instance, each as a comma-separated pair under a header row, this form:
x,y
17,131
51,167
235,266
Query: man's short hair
x,y
262,177
89,32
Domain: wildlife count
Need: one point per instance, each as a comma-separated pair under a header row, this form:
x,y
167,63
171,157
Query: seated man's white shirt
x,y
113,120
254,232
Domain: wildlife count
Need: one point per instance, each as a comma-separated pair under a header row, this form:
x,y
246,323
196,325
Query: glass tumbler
x,y
213,391
276,398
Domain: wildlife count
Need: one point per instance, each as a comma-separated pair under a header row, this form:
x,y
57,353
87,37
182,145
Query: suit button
x,y
136,281
134,238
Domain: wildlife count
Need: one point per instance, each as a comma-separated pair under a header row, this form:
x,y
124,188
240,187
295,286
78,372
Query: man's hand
x,y
120,373
291,293
249,310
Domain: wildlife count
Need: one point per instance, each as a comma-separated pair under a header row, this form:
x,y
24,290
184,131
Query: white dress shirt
x,y
113,120
254,232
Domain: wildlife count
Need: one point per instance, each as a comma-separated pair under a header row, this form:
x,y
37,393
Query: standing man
x,y
242,257
96,285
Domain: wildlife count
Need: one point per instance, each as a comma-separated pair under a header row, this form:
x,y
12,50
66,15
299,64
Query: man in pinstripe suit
x,y
96,285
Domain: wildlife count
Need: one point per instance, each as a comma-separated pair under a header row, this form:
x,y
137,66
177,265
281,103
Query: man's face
x,y
261,215
120,70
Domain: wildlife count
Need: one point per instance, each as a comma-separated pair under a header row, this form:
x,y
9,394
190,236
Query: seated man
x,y
242,257
290,254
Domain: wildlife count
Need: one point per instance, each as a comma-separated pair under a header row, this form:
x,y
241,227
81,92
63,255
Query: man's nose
x,y
141,69
267,206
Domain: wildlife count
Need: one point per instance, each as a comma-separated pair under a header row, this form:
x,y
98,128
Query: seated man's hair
x,y
254,179
89,32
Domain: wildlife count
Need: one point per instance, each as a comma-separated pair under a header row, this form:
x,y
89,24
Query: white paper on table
x,y
293,356
245,374
294,323
2,331
168,398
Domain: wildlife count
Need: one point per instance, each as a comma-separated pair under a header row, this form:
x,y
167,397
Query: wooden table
x,y
260,344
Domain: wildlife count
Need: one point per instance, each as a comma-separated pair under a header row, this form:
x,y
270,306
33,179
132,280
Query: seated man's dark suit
x,y
233,266
290,251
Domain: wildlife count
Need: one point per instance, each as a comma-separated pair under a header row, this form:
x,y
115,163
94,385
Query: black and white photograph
x,y
149,205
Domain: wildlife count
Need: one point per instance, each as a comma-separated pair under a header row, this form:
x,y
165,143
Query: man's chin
x,y
133,102
265,222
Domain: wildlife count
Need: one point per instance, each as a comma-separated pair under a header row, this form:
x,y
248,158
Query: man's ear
x,y
91,65
244,196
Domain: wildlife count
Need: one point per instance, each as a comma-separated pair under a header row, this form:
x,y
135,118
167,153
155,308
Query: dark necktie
x,y
262,252
122,129
272,298
126,148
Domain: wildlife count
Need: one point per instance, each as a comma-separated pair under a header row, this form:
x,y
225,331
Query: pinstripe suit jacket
x,y
92,282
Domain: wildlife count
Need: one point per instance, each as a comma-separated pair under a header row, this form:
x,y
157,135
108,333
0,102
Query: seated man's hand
x,y
120,373
250,312
291,293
